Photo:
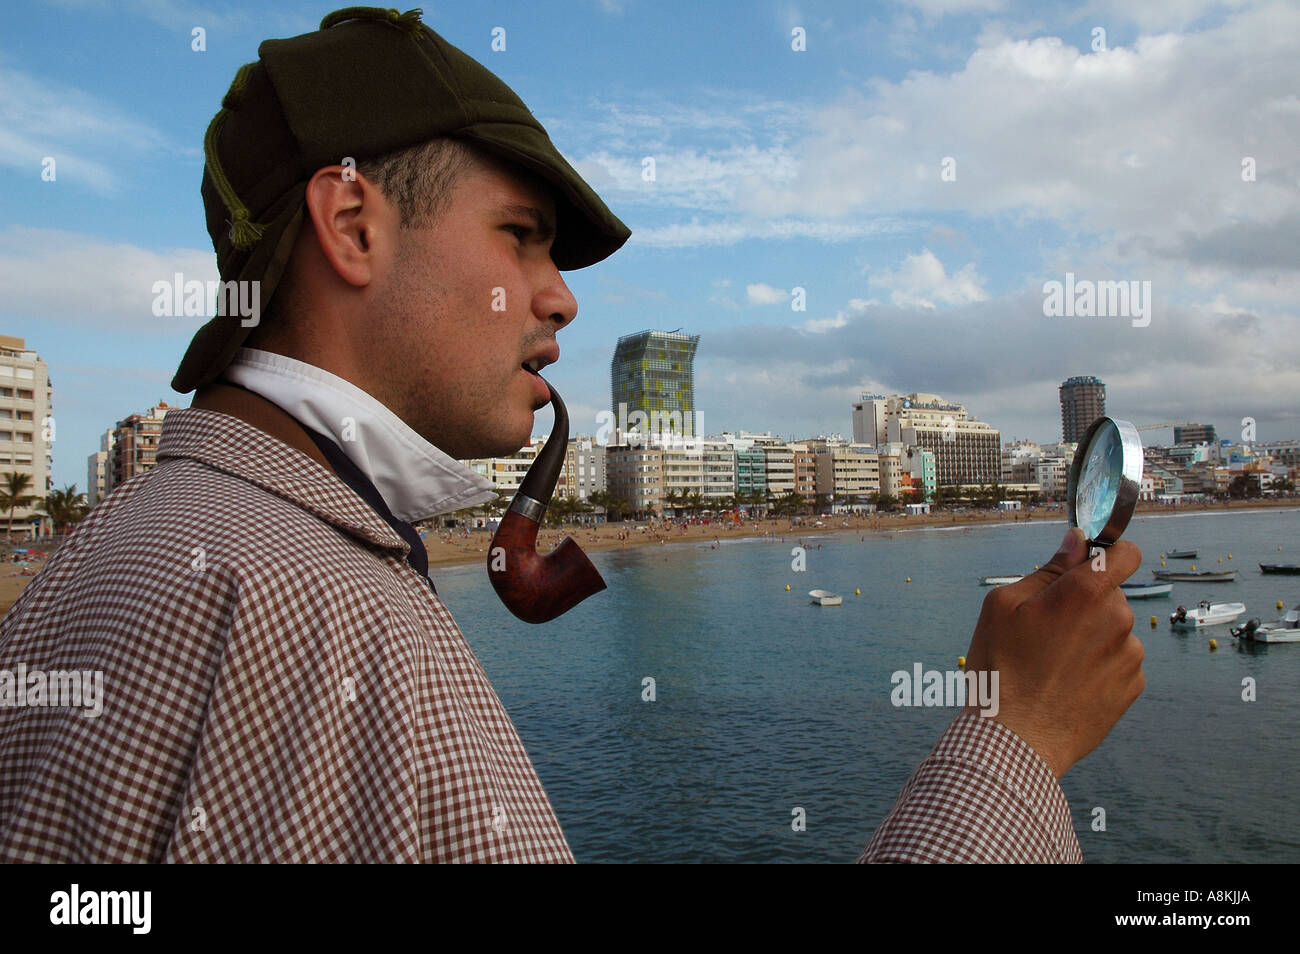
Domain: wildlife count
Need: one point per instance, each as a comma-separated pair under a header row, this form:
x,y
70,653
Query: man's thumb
x,y
1072,552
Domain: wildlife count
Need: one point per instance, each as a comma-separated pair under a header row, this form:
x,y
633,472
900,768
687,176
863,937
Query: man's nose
x,y
554,302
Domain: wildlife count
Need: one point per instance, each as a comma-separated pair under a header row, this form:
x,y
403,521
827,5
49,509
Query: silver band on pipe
x,y
526,506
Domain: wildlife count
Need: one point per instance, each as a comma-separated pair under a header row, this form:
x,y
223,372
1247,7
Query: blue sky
x,y
819,169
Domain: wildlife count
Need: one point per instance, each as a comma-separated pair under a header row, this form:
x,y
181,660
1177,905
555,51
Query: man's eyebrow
x,y
541,222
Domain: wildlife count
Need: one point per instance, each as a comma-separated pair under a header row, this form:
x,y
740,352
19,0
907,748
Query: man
x,y
281,681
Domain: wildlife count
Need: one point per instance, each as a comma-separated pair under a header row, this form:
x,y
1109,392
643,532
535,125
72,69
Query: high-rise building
x,y
134,448
871,419
1083,400
27,430
1195,434
98,470
966,450
583,473
652,384
636,474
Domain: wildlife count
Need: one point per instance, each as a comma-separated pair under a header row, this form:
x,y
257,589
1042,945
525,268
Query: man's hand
x,y
1061,641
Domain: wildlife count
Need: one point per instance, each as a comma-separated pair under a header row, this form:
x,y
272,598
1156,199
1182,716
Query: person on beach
x,y
282,681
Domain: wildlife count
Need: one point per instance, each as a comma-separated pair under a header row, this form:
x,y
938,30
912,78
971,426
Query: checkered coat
x,y
280,685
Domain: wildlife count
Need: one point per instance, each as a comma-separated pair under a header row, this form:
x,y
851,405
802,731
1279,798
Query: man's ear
x,y
355,223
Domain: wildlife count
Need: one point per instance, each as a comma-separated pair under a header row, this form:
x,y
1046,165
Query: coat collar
x,y
415,478
238,448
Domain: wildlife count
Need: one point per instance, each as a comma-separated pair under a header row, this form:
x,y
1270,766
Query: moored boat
x,y
1143,591
1205,614
1289,568
1196,576
999,580
1284,630
1181,554
825,598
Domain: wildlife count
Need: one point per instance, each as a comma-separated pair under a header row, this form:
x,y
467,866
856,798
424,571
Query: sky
x,y
915,176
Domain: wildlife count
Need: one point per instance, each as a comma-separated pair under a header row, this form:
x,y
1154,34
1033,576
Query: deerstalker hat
x,y
370,81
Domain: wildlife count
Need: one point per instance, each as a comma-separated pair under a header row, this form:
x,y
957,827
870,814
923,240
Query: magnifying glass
x,y
1105,479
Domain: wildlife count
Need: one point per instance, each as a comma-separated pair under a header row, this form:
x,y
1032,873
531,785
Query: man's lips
x,y
540,388
548,354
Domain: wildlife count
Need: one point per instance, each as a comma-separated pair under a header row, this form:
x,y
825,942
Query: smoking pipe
x,y
539,588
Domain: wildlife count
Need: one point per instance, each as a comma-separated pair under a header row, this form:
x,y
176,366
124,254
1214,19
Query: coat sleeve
x,y
982,796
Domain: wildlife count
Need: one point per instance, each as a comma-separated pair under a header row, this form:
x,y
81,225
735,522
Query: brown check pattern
x,y
982,796
279,684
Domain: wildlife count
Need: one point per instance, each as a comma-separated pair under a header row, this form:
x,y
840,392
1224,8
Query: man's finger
x,y
1072,552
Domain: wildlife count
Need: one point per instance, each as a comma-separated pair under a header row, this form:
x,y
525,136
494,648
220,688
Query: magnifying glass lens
x,y
1105,480
1099,483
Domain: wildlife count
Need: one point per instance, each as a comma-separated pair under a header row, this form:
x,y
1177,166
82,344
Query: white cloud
x,y
1105,142
817,326
938,8
86,136
85,280
921,281
965,353
696,233
764,294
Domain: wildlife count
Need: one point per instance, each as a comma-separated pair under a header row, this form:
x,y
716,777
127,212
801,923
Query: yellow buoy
x,y
1214,644
1153,621
1229,556
1193,566
961,661
1220,560
909,579
857,592
1162,556
1162,562
1035,566
787,587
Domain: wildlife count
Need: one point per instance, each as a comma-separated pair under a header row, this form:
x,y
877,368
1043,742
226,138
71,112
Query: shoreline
x,y
462,551
474,548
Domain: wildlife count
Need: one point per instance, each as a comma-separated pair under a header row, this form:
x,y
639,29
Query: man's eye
x,y
520,232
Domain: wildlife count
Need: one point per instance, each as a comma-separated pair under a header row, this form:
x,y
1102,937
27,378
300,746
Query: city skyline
x,y
879,210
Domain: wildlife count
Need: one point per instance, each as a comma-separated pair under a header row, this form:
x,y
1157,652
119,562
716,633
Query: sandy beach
x,y
448,548
451,548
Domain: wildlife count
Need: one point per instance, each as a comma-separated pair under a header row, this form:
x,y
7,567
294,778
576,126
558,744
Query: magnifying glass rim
x,y
1130,480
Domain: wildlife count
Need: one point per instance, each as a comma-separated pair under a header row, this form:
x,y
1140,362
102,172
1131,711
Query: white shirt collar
x,y
416,480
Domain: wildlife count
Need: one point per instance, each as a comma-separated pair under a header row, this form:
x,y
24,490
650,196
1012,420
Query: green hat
x,y
368,82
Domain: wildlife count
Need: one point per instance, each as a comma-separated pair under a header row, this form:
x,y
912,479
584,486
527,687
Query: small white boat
x,y
999,580
825,598
1181,554
1205,614
1284,630
1144,591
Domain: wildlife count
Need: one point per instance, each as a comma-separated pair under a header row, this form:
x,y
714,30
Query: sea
x,y
698,711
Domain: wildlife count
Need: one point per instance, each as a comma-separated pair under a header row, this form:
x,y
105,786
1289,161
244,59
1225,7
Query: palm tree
x,y
672,500
615,507
64,507
694,502
13,494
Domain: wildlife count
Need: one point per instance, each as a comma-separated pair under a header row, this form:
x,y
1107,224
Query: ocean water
x,y
767,707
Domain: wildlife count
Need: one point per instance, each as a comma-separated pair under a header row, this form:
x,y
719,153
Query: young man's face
x,y
468,301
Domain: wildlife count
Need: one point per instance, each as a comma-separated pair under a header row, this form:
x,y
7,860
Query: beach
x,y
448,548
451,548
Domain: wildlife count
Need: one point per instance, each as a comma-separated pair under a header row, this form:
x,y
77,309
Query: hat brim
x,y
587,231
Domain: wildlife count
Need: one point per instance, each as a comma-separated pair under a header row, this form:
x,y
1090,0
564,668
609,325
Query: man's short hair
x,y
419,179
